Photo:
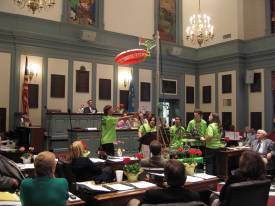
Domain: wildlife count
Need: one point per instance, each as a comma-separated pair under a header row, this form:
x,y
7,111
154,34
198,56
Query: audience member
x,y
249,136
174,172
265,147
44,189
124,123
84,169
156,160
251,167
10,175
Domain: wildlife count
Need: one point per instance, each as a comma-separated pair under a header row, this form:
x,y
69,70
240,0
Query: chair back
x,y
193,203
252,193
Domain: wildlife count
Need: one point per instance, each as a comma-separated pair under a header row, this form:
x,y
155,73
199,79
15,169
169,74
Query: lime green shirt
x,y
200,126
213,131
145,128
176,133
108,126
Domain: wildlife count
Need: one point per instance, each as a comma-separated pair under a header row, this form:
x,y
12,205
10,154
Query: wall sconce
x,y
125,78
33,71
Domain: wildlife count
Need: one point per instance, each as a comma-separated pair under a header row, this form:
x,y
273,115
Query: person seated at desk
x,y
176,131
249,136
197,123
156,161
123,123
90,109
84,169
44,189
265,147
251,167
174,173
143,130
10,175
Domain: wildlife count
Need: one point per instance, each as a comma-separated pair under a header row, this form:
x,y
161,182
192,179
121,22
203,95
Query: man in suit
x,y
156,161
90,109
265,147
10,175
174,173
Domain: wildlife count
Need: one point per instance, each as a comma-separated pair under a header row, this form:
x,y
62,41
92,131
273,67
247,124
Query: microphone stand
x,y
71,126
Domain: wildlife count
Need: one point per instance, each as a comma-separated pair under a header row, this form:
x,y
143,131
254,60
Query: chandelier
x,y
35,5
200,30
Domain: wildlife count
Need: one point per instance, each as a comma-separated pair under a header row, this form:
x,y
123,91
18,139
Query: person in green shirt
x,y
44,189
143,130
176,131
108,130
212,143
197,123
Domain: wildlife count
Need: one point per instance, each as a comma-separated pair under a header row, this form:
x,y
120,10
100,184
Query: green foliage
x,y
132,168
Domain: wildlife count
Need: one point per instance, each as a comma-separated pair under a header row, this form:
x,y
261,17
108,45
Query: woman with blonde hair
x,y
84,169
44,189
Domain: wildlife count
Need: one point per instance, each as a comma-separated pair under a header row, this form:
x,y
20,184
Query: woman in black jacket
x,y
84,169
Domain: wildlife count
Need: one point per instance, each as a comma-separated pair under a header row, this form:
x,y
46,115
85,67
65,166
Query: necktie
x,y
258,146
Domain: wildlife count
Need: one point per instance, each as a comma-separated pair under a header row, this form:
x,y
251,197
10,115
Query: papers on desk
x,y
193,179
120,159
120,187
143,184
157,174
7,196
237,148
94,187
97,160
25,166
91,129
204,176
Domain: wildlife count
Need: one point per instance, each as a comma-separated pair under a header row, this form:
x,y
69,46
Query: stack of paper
x,y
120,187
143,184
97,160
6,196
193,179
204,176
94,187
73,198
25,166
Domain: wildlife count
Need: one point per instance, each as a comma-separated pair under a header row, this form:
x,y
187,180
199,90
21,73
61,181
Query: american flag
x,y
25,92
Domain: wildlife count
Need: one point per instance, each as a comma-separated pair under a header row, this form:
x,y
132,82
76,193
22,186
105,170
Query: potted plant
x,y
190,158
132,170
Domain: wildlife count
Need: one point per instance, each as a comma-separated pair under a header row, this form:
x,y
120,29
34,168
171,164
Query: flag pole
x,y
157,82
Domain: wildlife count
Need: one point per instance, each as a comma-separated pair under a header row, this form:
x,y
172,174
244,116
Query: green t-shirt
x,y
145,128
214,132
176,133
108,127
200,126
44,191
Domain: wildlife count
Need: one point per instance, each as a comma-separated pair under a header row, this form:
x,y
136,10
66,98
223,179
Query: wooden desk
x,y
223,159
73,203
121,198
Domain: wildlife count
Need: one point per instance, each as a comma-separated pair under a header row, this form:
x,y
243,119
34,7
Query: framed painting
x,y
82,12
167,20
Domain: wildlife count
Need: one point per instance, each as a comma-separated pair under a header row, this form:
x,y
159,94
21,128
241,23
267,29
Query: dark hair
x,y
155,147
177,117
198,111
174,172
216,119
106,109
251,165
